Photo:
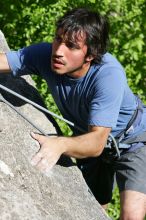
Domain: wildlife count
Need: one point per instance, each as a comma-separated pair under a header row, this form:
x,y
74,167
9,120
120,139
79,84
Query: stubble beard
x,y
72,73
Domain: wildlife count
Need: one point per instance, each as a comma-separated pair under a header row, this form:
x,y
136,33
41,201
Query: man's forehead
x,y
74,36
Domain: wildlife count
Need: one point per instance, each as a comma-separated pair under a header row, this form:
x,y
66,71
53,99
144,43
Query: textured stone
x,y
26,193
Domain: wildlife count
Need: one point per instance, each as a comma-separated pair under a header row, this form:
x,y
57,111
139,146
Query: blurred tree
x,y
31,21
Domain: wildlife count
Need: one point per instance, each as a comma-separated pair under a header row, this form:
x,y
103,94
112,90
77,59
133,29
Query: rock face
x,y
26,193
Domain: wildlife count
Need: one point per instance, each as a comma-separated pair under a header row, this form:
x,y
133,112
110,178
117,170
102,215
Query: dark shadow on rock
x,y
22,87
65,161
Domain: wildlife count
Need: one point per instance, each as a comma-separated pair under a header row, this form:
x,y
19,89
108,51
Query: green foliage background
x,y
31,21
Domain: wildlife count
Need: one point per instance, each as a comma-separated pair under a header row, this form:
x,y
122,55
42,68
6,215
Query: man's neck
x,y
79,73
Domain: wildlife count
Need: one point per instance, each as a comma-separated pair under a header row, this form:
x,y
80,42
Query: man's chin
x,y
58,72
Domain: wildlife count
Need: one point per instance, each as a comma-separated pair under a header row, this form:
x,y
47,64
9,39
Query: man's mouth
x,y
57,63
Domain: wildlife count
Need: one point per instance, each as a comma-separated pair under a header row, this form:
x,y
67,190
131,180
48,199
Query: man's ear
x,y
89,58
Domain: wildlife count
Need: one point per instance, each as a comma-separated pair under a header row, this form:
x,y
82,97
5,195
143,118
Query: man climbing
x,y
90,89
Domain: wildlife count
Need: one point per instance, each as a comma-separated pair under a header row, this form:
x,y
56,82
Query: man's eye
x,y
71,45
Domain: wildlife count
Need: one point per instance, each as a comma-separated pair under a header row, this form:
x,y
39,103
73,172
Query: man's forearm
x,y
4,66
87,145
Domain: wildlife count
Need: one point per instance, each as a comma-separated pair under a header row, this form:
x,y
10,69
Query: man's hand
x,y
49,153
90,144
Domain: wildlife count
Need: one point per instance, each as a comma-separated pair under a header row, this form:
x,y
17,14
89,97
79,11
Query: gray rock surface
x,y
26,193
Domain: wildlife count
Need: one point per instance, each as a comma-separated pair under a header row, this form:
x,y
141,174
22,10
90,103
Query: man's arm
x,y
87,145
4,66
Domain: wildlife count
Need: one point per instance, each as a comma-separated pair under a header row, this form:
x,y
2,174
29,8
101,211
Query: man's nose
x,y
60,49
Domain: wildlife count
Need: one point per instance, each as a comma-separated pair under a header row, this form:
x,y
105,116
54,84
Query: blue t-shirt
x,y
101,98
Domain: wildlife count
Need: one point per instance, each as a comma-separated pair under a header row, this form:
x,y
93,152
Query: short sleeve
x,y
29,60
107,97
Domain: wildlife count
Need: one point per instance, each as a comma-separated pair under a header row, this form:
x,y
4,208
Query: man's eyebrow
x,y
72,43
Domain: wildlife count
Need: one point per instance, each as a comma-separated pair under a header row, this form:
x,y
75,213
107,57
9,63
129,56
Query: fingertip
x,y
31,133
36,159
33,163
47,172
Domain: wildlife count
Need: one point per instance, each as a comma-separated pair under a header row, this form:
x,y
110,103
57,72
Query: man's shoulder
x,y
109,70
109,60
109,66
42,46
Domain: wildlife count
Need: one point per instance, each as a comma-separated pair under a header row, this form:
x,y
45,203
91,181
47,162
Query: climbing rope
x,y
48,112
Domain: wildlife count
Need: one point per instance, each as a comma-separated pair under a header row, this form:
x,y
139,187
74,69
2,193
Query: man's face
x,y
69,57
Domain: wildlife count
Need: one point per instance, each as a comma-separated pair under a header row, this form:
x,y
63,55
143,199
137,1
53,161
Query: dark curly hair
x,y
92,24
